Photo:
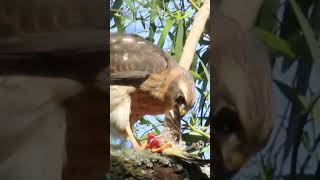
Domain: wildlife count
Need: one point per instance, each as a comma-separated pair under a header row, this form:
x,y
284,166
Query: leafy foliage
x,y
286,28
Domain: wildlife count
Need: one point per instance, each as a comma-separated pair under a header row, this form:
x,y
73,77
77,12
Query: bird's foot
x,y
138,148
135,144
161,148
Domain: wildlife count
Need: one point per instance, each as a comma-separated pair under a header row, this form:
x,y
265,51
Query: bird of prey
x,y
243,112
144,80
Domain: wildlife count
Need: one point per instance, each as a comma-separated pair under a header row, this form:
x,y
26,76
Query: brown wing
x,y
133,58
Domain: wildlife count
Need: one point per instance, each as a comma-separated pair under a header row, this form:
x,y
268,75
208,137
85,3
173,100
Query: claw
x,y
135,144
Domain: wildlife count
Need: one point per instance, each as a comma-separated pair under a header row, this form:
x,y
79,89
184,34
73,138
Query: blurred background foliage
x,y
167,24
290,30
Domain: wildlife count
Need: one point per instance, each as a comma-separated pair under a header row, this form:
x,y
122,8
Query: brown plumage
x,y
146,81
53,119
242,95
21,17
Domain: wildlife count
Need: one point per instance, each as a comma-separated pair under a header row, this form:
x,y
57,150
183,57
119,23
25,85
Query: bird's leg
x,y
161,148
145,145
133,140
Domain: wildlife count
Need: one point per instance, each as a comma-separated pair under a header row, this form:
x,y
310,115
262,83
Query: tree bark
x,y
144,165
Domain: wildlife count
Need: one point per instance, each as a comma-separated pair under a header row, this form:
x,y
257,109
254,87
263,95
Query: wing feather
x,y
134,58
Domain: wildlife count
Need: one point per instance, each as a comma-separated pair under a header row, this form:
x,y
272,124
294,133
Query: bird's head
x,y
182,94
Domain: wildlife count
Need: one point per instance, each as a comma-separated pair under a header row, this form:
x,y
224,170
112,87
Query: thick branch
x,y
194,36
144,165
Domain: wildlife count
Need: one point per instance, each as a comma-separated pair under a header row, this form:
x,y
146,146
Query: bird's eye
x,y
181,100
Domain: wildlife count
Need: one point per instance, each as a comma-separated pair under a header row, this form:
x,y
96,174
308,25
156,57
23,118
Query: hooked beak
x,y
172,121
182,110
176,113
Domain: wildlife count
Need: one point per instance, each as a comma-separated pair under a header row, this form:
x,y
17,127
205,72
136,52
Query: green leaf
x,y
276,43
190,138
307,31
304,101
186,14
316,114
205,71
194,133
144,121
205,149
307,104
267,172
196,75
159,3
116,6
166,29
192,122
132,8
157,131
117,19
144,137
178,45
153,16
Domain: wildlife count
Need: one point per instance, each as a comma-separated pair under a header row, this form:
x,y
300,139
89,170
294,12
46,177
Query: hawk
x,y
243,113
144,80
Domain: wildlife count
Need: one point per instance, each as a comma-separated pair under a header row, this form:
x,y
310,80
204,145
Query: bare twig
x,y
194,35
199,131
194,5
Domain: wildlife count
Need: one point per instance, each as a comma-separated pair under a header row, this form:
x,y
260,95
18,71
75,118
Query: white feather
x,y
120,102
32,131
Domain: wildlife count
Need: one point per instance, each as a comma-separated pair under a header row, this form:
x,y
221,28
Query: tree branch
x,y
194,35
144,165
